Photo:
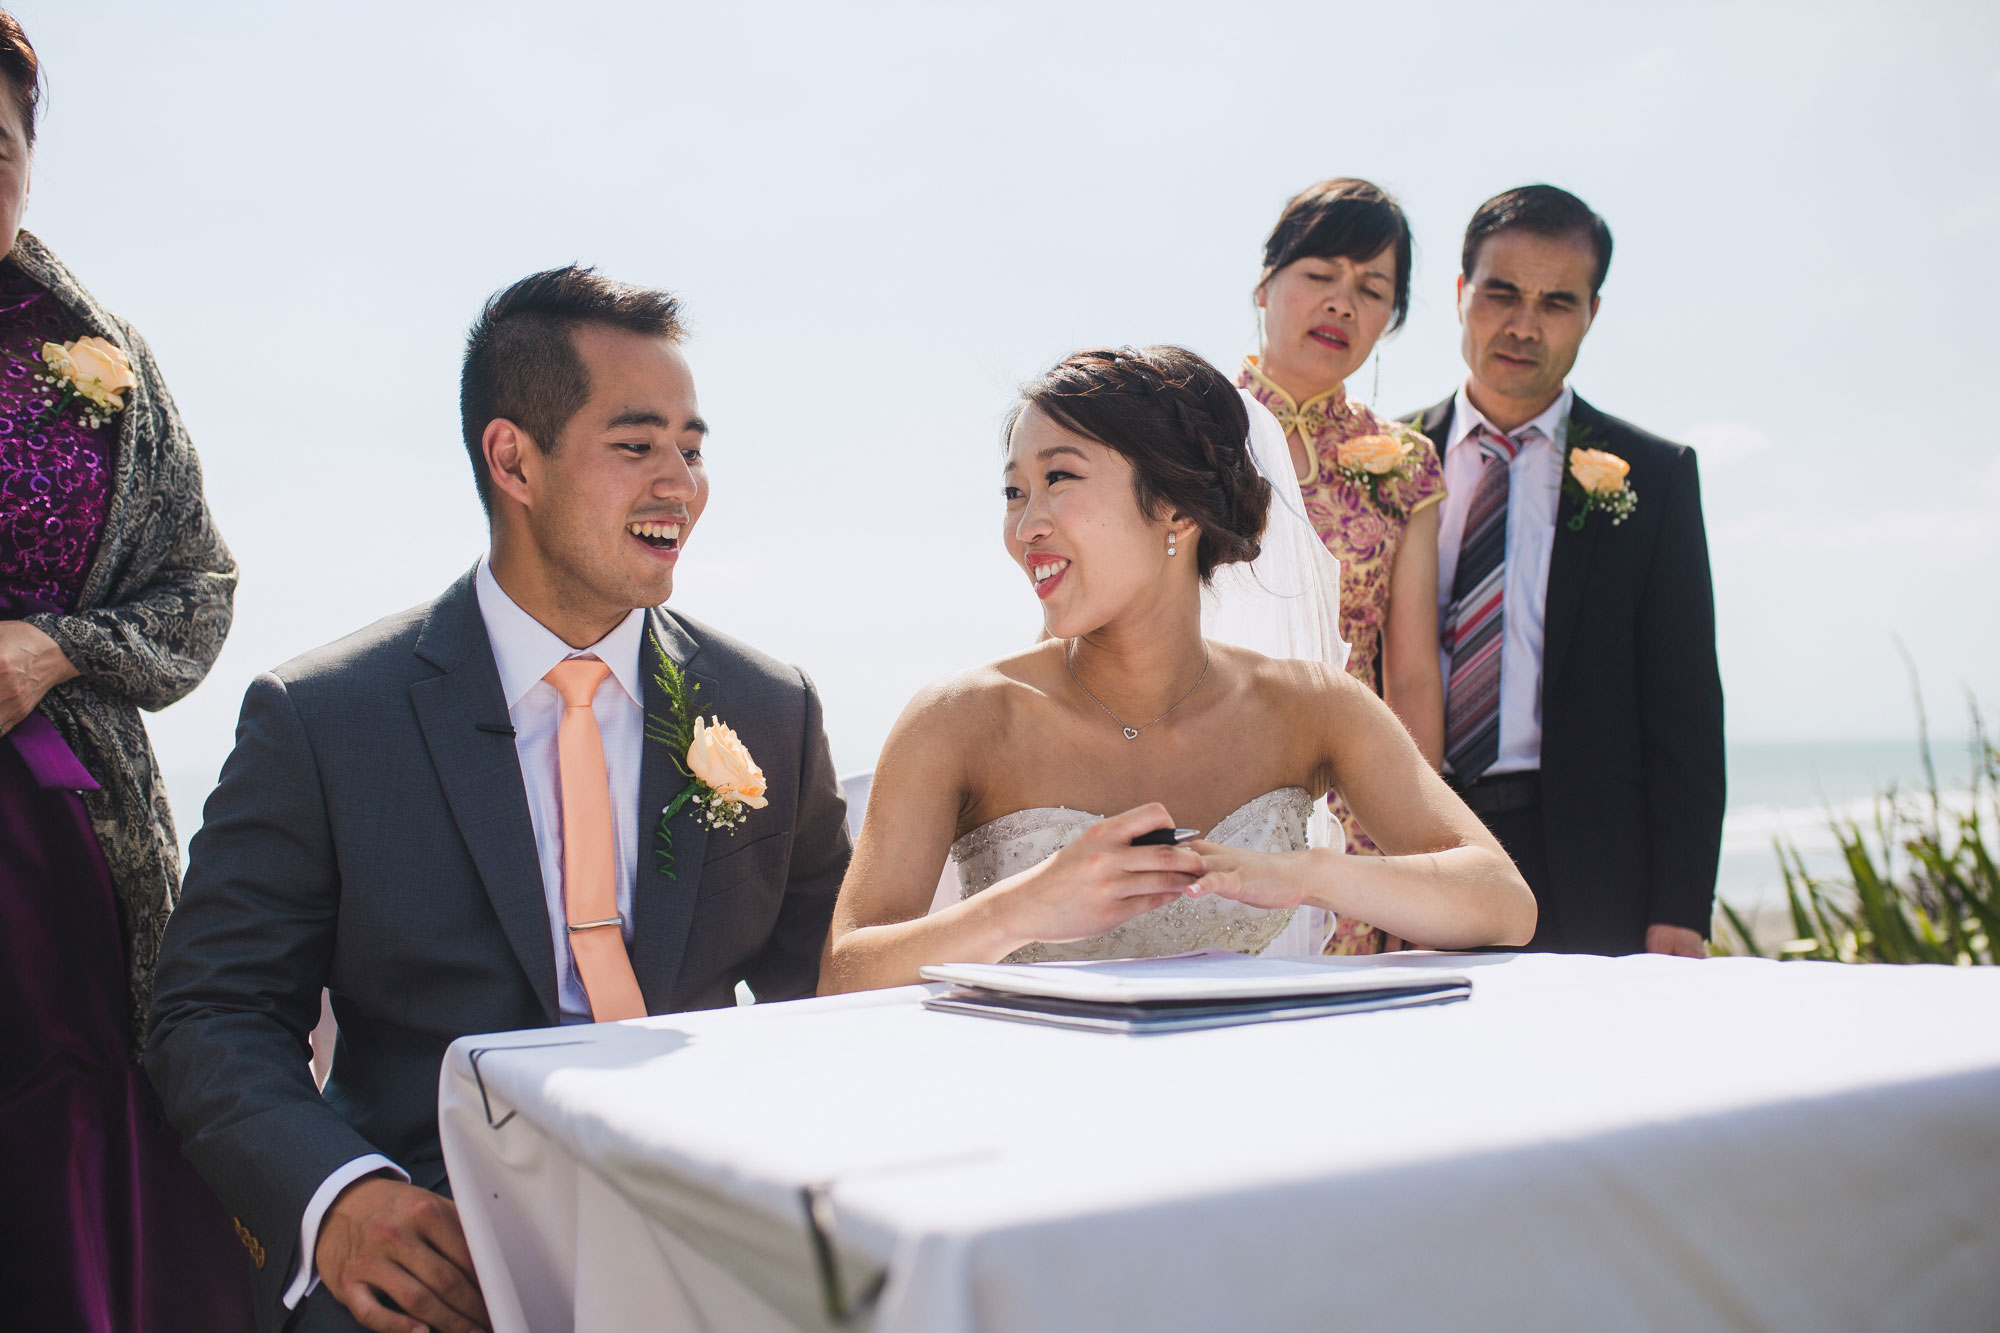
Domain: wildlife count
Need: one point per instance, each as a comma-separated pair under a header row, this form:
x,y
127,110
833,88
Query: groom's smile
x,y
661,538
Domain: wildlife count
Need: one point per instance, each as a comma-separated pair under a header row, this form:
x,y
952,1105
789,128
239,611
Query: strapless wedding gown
x,y
1273,822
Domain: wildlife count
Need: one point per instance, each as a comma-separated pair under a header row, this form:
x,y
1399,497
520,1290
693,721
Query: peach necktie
x,y
590,877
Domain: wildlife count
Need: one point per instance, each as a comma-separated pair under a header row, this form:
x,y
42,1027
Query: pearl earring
x,y
1170,545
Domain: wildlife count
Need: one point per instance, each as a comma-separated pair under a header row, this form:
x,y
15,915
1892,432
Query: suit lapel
x,y
1569,564
663,905
463,713
1435,420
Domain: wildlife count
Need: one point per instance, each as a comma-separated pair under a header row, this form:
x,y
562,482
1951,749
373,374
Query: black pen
x,y
1166,837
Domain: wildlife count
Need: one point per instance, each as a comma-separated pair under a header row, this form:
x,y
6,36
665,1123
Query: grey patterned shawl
x,y
155,608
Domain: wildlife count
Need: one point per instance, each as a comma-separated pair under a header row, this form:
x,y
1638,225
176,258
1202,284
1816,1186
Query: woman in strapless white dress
x,y
1127,482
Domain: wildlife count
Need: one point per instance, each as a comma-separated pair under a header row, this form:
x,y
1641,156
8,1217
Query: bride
x,y
1128,482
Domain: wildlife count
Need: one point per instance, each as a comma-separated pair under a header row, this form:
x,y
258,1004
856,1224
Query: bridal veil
x,y
1285,603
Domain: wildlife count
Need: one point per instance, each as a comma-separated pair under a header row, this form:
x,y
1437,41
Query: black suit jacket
x,y
1632,753
370,835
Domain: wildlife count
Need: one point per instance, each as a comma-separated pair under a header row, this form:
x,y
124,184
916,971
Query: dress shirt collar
x,y
524,649
1465,418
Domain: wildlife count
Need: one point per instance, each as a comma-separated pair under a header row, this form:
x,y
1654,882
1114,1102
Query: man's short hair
x,y
521,363
1544,211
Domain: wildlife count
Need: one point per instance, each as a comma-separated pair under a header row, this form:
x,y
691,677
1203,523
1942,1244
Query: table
x,y
1587,1143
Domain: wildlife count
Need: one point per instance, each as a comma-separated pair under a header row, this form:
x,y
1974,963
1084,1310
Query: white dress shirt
x,y
524,650
1534,488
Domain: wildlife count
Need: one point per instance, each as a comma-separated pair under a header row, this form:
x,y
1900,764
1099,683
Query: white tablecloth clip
x,y
842,1313
472,1058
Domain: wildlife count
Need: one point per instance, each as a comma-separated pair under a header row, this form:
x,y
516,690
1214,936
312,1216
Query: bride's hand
x,y
1270,880
1100,881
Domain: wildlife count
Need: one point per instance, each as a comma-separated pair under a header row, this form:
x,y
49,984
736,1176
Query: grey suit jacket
x,y
370,835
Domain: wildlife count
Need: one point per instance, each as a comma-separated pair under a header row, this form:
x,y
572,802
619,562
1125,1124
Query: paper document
x,y
1210,974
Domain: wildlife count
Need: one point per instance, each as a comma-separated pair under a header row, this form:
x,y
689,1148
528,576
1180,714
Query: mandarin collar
x,y
1330,403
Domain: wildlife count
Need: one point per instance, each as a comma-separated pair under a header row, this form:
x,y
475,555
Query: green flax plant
x,y
1921,884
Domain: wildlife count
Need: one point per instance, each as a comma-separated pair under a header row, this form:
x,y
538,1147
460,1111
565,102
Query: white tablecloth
x,y
1588,1143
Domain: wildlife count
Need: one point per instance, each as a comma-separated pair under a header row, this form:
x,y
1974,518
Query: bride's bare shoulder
x,y
984,699
1287,680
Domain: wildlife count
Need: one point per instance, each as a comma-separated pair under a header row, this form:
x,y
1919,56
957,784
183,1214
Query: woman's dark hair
x,y
1343,218
23,71
522,364
1542,210
1181,425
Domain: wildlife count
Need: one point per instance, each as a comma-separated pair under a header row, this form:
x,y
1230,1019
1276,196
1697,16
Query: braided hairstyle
x,y
1181,425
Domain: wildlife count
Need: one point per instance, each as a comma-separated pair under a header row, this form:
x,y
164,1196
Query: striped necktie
x,y
1474,626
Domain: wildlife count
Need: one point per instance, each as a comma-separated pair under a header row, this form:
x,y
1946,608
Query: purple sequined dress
x,y
103,1224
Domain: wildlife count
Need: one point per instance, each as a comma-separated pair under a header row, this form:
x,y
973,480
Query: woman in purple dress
x,y
115,595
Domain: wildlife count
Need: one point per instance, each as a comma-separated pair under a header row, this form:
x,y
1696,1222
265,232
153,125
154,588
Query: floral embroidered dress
x,y
1365,531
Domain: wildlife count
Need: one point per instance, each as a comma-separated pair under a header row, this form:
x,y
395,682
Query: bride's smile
x,y
1046,569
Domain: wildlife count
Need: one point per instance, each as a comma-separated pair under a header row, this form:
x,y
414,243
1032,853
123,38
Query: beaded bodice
x,y
1273,822
55,470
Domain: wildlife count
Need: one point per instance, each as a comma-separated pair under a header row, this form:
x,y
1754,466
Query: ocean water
x,y
1777,790
1790,791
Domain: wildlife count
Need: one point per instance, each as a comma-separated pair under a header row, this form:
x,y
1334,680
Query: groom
x,y
452,822
1583,706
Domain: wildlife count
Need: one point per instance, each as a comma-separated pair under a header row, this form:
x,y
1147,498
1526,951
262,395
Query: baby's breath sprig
x,y
1595,479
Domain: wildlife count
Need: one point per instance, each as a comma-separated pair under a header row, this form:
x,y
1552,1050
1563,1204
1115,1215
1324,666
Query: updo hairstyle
x,y
1181,425
1343,218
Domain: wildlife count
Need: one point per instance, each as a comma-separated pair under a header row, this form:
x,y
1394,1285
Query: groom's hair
x,y
522,365
1542,210
1181,425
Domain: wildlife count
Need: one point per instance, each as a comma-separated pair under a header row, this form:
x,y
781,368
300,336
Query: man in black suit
x,y
453,821
1583,706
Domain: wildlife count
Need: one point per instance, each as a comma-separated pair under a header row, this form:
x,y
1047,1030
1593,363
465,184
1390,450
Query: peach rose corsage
x,y
1370,460
91,372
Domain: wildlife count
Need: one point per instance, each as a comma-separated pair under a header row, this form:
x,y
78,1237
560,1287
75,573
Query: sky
x,y
882,218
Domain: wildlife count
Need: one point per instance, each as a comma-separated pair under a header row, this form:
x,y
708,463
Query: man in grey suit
x,y
408,822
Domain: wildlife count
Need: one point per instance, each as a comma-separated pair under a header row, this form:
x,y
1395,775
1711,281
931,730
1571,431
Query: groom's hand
x,y
1676,940
386,1247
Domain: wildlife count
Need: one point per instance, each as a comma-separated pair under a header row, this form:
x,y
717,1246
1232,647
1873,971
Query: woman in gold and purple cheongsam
x,y
1336,279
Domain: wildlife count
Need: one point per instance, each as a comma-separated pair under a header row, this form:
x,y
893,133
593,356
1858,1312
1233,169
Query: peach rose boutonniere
x,y
92,372
721,763
1368,461
724,783
1596,479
